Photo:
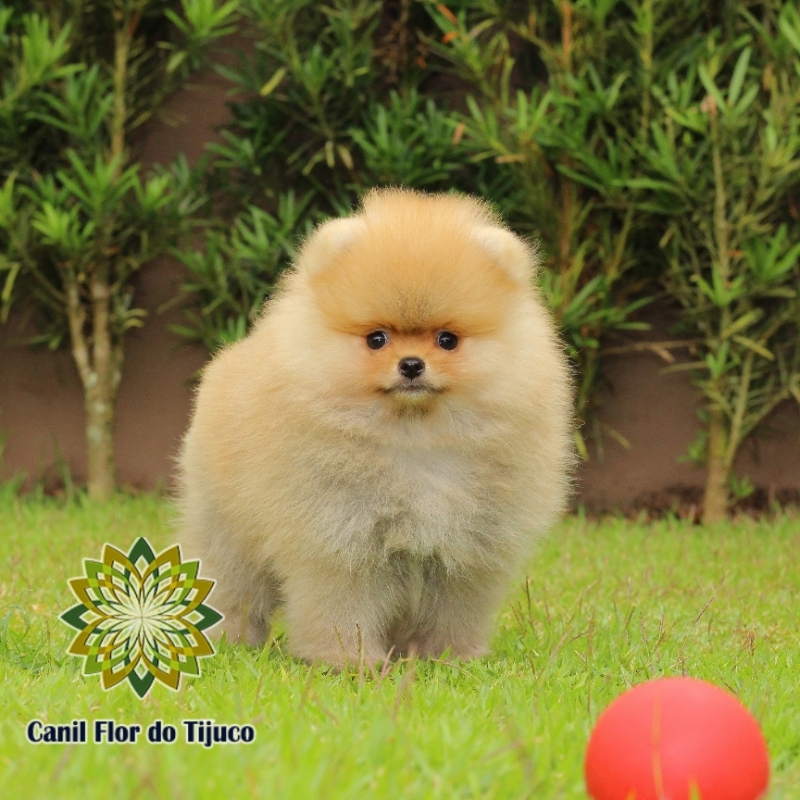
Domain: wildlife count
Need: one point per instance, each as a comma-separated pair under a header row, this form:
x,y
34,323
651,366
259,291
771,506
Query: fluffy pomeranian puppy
x,y
378,456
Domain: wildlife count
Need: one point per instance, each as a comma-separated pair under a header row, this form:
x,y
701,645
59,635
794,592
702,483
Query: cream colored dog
x,y
381,452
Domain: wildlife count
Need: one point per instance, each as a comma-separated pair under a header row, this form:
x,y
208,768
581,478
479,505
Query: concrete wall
x,y
656,412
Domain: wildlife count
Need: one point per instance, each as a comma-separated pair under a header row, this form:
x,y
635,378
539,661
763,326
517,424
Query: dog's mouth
x,y
412,388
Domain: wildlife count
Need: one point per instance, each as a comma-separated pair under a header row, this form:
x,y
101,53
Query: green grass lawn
x,y
606,605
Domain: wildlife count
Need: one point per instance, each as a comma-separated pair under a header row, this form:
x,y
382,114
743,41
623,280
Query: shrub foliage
x,y
77,217
650,146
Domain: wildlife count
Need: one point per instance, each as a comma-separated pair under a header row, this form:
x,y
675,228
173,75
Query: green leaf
x,y
717,361
579,177
739,73
269,87
711,87
745,321
13,268
754,346
782,266
741,488
7,215
175,60
747,99
791,32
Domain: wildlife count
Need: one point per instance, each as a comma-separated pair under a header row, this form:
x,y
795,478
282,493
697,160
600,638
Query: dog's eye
x,y
447,340
377,339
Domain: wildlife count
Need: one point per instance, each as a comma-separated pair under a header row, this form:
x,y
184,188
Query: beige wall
x,y
657,414
41,403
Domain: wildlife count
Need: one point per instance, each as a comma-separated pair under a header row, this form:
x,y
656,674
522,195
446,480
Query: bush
x,y
651,147
77,217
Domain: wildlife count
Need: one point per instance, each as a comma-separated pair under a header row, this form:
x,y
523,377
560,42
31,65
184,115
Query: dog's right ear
x,y
326,242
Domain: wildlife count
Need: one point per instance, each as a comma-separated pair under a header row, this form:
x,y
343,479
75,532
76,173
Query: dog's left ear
x,y
515,256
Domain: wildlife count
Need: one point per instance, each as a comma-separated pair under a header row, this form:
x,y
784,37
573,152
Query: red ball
x,y
670,738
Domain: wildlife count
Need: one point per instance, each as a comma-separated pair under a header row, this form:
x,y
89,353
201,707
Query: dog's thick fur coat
x,y
381,511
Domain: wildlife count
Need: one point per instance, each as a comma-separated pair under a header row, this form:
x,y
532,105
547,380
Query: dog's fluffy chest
x,y
421,502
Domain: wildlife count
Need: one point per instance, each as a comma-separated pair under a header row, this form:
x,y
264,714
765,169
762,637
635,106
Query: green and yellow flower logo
x,y
141,617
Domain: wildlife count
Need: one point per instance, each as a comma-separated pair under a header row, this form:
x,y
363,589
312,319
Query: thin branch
x,y
735,437
76,316
659,348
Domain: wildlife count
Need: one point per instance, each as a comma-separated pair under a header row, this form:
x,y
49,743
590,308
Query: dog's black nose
x,y
411,367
